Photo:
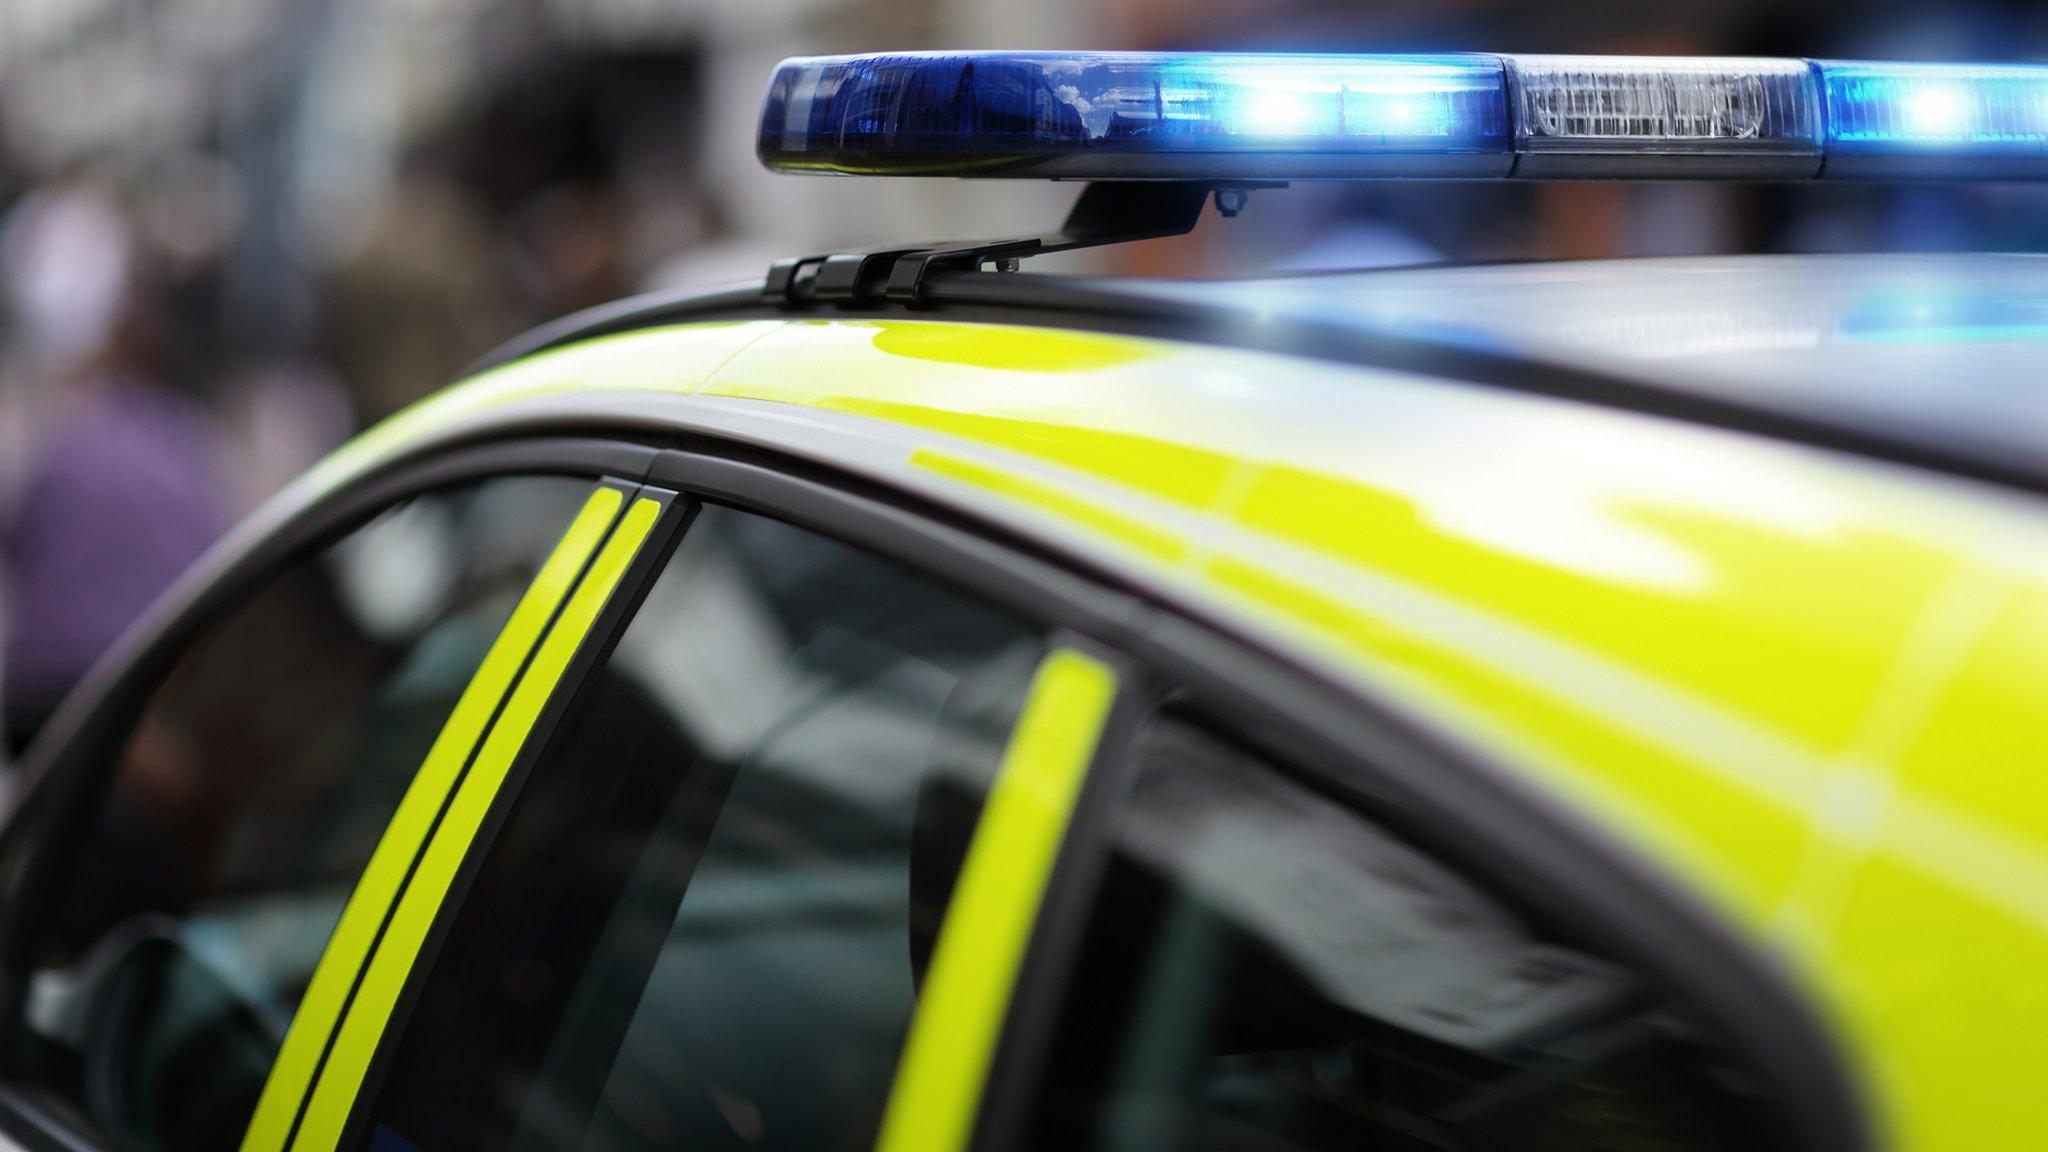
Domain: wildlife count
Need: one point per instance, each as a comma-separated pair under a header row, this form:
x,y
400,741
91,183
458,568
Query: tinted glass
x,y
704,924
1269,969
248,795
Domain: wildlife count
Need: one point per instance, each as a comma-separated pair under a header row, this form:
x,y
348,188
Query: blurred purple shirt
x,y
121,497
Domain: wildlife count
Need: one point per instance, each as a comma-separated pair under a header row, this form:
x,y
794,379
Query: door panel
x,y
719,898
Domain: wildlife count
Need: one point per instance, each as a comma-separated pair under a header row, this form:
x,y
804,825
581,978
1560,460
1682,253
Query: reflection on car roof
x,y
1943,348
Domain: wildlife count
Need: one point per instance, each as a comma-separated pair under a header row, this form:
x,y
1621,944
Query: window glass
x,y
1266,968
704,924
247,797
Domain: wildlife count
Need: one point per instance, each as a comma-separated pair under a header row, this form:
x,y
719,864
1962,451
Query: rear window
x,y
1267,967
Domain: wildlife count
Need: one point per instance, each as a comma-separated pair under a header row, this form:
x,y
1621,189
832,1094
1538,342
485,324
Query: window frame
x,y
1429,783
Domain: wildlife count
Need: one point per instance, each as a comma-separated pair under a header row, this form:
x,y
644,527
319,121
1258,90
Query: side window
x,y
251,788
1266,968
705,923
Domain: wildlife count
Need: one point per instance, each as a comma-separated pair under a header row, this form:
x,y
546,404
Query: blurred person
x,y
65,262
282,415
566,248
114,491
585,165
417,300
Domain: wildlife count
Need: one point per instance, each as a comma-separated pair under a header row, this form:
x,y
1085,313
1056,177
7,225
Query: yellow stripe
x,y
960,1010
347,948
1163,546
368,1014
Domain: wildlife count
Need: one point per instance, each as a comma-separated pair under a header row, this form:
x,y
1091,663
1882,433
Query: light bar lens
x,y
1582,115
1936,119
1139,115
1249,118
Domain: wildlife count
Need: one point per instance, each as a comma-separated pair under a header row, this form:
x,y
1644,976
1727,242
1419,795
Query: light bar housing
x,y
1258,118
1138,115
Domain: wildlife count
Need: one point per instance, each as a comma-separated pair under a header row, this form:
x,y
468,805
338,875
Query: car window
x,y
705,923
1268,968
251,787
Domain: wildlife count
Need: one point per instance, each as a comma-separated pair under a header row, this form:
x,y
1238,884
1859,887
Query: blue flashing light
x,y
1936,119
1139,115
1250,118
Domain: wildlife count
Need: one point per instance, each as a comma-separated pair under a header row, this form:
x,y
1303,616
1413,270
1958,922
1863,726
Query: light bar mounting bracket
x,y
1108,212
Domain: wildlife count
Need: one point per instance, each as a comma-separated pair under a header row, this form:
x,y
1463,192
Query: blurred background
x,y
234,231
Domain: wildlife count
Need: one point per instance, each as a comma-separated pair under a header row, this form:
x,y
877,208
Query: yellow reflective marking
x,y
1145,538
368,1014
960,1010
299,1057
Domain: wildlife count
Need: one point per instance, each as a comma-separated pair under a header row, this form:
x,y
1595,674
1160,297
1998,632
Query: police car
x,y
916,705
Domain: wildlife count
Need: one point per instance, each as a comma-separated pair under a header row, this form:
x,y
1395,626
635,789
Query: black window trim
x,y
1428,782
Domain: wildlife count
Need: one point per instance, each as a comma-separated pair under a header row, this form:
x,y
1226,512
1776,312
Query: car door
x,y
731,900
203,841
867,833
800,817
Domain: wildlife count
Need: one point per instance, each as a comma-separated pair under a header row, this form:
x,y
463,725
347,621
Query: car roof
x,y
1950,345
1924,359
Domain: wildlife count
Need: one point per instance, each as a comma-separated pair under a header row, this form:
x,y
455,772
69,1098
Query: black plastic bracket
x,y
1108,212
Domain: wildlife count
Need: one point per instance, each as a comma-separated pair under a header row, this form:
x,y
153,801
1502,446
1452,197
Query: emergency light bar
x,y
1255,118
